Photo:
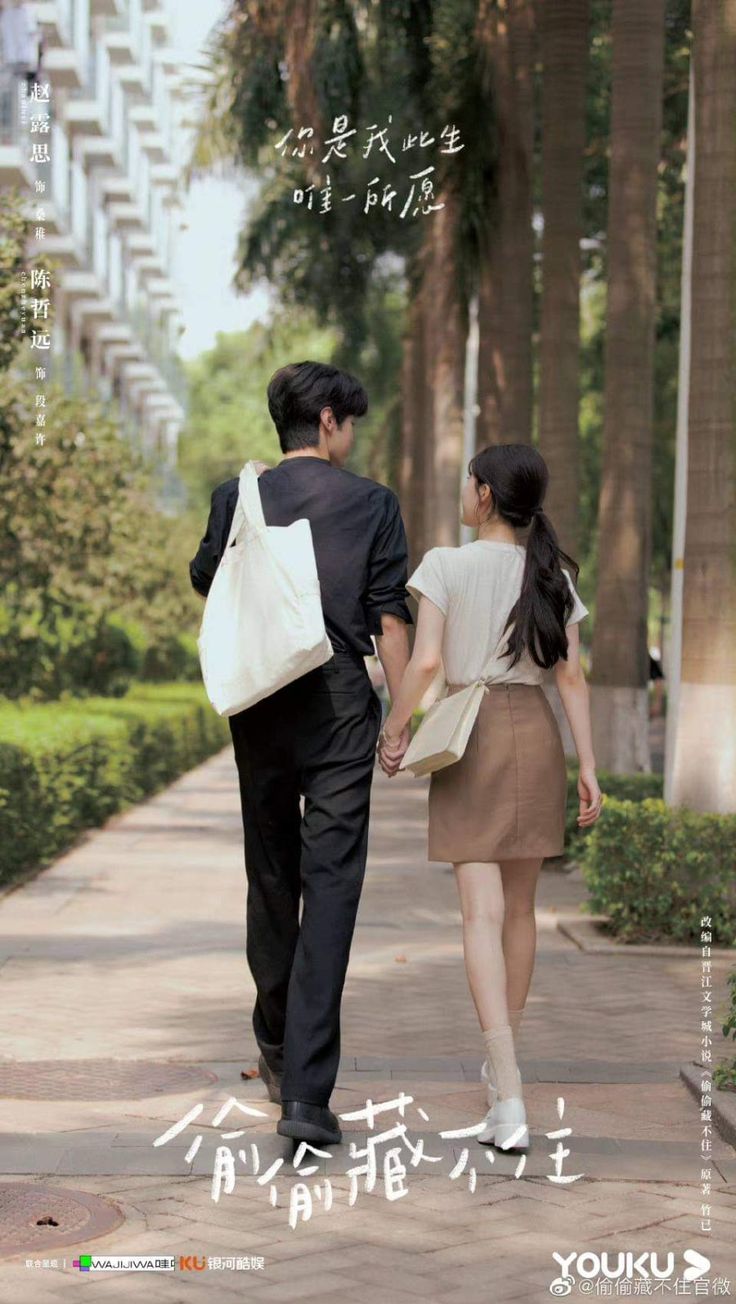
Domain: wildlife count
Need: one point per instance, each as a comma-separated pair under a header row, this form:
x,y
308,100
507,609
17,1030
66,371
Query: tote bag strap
x,y
487,677
250,497
248,507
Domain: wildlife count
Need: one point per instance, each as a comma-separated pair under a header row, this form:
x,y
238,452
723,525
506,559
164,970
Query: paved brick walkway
x,y
127,958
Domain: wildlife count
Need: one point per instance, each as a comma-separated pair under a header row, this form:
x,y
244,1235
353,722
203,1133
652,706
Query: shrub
x,y
80,652
67,766
724,1074
655,870
172,658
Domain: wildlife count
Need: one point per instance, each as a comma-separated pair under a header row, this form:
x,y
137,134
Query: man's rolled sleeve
x,y
387,569
202,567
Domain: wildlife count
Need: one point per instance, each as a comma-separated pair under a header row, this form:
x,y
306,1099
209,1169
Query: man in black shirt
x,y
315,738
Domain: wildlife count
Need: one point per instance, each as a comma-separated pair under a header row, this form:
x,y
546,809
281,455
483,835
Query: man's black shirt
x,y
359,540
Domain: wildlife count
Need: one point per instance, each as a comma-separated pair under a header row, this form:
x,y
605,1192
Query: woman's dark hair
x,y
297,394
517,476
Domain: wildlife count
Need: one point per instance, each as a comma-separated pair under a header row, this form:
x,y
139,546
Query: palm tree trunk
x,y
564,53
506,39
445,343
564,32
620,655
704,761
415,424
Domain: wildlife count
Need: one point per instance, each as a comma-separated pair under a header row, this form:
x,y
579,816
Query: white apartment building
x,y
111,208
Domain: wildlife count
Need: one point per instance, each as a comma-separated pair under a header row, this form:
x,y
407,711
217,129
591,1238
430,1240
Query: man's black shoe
x,y
306,1122
271,1079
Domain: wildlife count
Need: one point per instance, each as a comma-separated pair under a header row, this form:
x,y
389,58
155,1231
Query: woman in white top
x,y
497,607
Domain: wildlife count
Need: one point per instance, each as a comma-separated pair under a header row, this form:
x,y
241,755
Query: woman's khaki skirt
x,y
505,798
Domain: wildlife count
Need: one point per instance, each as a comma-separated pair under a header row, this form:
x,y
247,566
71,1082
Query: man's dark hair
x,y
297,394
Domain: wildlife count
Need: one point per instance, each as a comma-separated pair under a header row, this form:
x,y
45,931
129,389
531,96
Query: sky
x,y
213,215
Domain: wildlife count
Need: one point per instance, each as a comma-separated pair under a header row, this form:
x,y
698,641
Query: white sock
x,y
515,1020
502,1060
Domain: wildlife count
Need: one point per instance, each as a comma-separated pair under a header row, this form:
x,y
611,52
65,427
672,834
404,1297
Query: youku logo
x,y
623,1265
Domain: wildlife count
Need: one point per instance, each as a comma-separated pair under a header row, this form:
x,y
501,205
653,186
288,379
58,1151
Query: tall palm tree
x,y
564,33
447,330
704,761
447,86
416,414
620,667
506,45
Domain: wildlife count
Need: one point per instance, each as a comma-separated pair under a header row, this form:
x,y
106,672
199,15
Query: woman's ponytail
x,y
517,476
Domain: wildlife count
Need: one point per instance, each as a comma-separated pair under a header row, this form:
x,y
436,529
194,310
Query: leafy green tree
x,y
83,541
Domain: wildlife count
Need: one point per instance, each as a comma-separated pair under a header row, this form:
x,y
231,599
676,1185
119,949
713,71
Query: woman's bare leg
x,y
482,904
519,880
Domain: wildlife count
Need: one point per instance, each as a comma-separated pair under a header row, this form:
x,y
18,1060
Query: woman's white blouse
x,y
476,585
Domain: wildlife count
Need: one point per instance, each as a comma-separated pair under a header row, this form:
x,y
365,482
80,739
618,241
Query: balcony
x,y
120,44
140,244
56,219
54,19
119,335
119,343
144,371
15,170
133,79
159,25
162,288
118,190
63,67
155,146
15,167
107,8
166,175
64,248
163,405
127,217
144,116
94,310
101,152
84,117
149,266
80,285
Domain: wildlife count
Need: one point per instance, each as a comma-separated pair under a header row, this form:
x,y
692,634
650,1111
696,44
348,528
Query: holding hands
x,y
392,747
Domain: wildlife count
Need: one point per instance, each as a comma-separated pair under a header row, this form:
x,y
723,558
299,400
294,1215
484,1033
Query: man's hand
x,y
391,752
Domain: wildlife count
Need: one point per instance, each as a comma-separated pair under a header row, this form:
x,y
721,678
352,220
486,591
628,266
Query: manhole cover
x,y
99,1079
35,1218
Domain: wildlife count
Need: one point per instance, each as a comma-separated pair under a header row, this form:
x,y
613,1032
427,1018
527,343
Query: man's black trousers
x,y
316,737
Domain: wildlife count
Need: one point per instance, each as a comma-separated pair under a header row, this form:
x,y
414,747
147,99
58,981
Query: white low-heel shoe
x,y
491,1088
505,1125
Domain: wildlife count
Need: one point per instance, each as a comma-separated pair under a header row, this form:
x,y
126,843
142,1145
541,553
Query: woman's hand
x,y
391,750
591,798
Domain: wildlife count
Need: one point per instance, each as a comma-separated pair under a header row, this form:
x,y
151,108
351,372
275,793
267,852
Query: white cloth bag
x,y
263,624
444,731
443,734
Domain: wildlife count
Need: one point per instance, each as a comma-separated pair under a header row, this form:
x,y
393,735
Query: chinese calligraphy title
x,y
417,195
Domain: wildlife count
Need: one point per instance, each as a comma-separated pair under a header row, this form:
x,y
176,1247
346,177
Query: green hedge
x,y
88,655
655,870
67,766
724,1072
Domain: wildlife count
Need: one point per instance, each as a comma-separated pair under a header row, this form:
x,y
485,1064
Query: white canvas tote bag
x,y
263,624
